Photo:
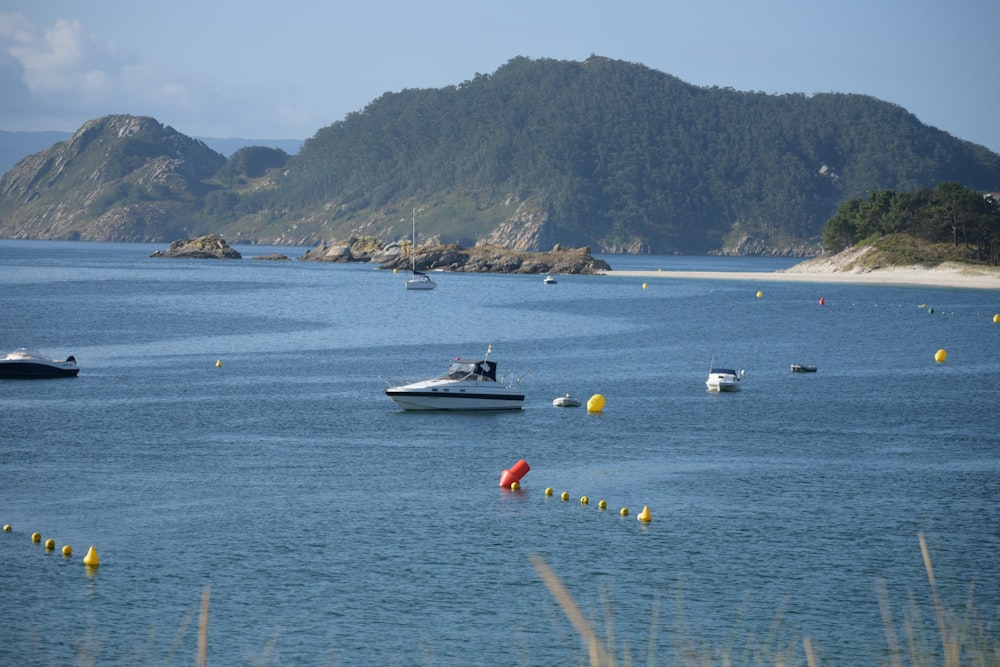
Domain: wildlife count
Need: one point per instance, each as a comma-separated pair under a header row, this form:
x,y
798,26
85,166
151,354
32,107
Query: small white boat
x,y
22,364
468,385
420,280
549,280
724,379
566,401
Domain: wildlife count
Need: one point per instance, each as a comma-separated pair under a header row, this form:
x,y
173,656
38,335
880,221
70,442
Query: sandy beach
x,y
944,276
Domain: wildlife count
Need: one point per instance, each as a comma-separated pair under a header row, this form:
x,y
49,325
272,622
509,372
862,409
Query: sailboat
x,y
419,280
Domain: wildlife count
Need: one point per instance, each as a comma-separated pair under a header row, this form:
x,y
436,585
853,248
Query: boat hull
x,y
723,386
463,399
37,370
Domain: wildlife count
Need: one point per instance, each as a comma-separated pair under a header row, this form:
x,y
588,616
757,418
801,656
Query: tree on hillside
x,y
949,213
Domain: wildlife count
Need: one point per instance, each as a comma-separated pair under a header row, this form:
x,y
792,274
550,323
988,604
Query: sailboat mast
x,y
413,242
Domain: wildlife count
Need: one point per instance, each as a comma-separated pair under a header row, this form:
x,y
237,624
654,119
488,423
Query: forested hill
x,y
618,156
603,153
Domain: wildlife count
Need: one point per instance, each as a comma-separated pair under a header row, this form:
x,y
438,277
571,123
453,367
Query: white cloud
x,y
66,72
58,77
63,59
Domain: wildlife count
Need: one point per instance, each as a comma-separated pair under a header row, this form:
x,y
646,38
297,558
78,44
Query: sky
x,y
283,70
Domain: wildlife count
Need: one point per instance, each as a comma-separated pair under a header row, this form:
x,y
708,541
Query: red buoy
x,y
822,300
516,472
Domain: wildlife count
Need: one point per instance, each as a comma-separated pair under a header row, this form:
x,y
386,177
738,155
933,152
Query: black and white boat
x,y
803,368
24,365
724,379
468,385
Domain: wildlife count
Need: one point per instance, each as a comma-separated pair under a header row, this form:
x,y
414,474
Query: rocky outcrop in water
x,y
203,247
494,259
451,257
355,249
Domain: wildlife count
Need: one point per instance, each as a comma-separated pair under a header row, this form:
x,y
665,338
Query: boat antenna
x,y
489,348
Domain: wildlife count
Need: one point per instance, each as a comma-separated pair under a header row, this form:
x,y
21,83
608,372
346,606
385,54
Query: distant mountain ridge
x,y
14,146
599,153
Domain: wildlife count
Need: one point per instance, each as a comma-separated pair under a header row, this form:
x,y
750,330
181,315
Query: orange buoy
x,y
516,472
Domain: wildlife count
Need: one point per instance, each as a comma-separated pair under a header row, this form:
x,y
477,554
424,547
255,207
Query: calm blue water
x,y
332,528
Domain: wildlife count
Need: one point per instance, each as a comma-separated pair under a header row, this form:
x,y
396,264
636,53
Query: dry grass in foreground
x,y
961,640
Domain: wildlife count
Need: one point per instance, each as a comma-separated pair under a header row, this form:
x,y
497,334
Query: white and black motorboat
x,y
724,379
24,365
469,384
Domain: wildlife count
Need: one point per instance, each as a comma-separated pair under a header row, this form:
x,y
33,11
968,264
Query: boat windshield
x,y
722,371
472,370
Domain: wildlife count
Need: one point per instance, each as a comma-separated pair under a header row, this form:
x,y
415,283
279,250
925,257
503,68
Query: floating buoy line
x,y
91,560
510,479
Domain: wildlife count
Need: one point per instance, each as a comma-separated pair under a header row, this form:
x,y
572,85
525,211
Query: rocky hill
x,y
117,178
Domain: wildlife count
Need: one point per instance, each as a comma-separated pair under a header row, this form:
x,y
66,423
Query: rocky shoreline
x,y
397,256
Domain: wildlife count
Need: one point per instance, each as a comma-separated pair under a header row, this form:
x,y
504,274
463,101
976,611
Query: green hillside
x,y
613,155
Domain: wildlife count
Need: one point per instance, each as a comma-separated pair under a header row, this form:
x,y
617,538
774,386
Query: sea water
x,y
227,441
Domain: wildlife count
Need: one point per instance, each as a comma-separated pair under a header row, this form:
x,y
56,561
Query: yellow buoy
x,y
565,495
67,550
218,363
6,528
623,511
36,537
91,557
50,544
603,504
940,356
759,294
595,404
644,515
514,486
584,500
548,490
996,317
644,286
